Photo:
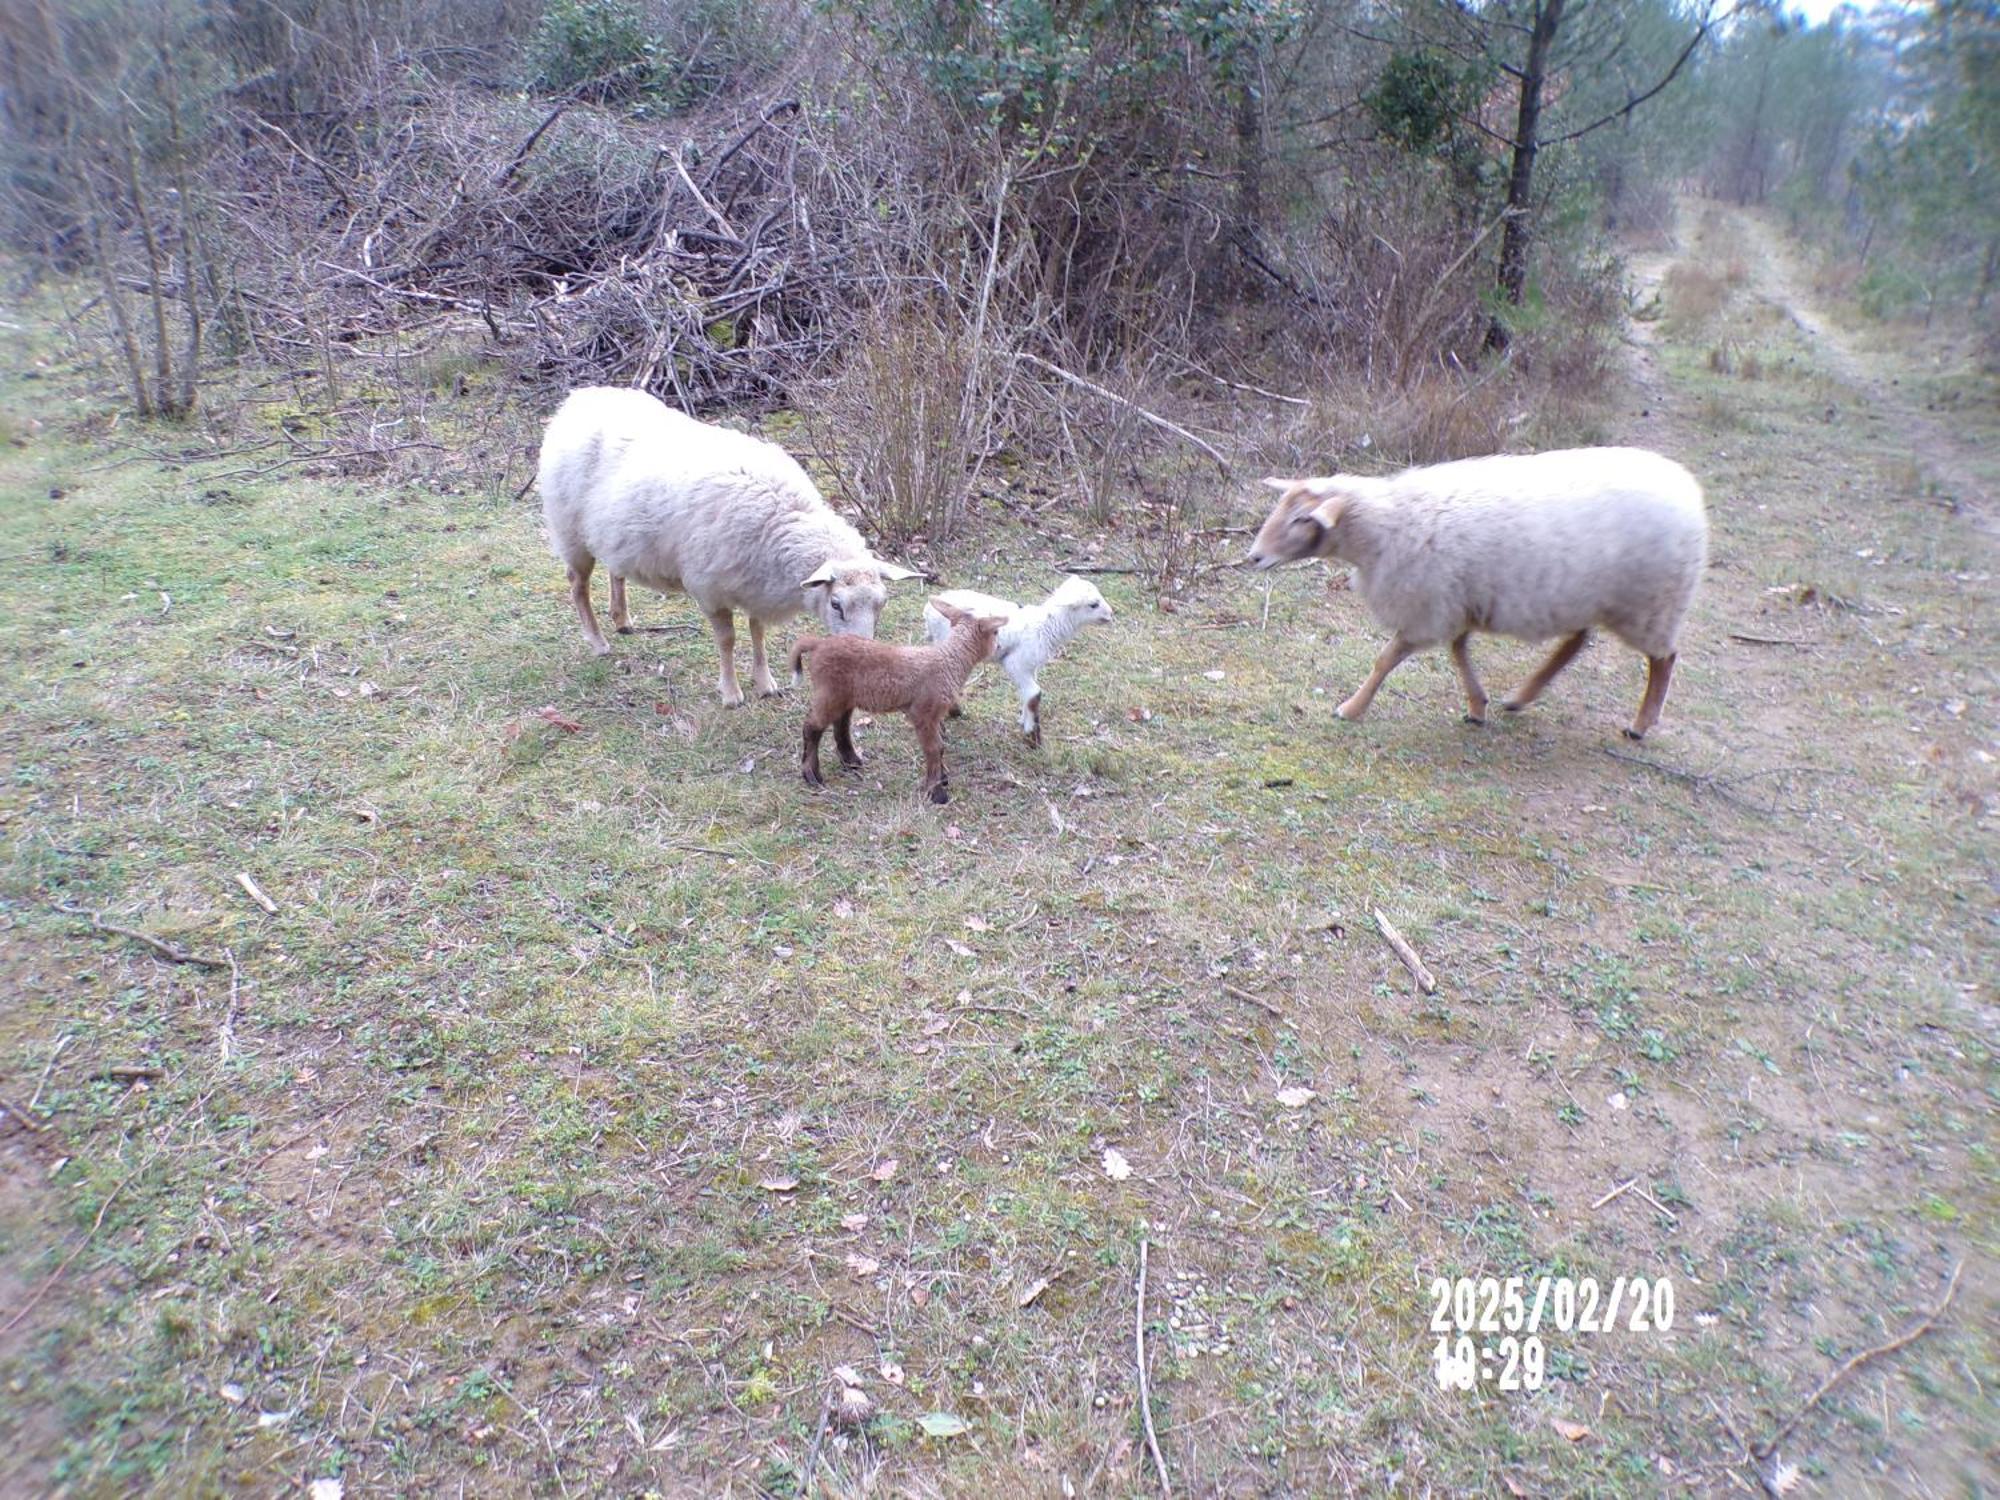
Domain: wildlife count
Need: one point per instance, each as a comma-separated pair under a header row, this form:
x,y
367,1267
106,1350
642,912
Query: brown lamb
x,y
852,671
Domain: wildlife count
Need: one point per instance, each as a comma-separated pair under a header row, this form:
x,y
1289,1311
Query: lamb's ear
x,y
1281,484
823,574
895,572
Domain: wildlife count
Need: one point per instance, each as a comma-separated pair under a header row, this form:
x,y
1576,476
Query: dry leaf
x,y
937,1024
854,1222
268,1419
959,948
1513,1487
843,908
232,1393
978,924
1115,1165
1033,1290
847,1374
885,1169
862,1266
893,1374
779,1184
1784,1479
550,712
1215,675
1576,1432
853,1407
1298,1096
942,1424
325,1489
919,1295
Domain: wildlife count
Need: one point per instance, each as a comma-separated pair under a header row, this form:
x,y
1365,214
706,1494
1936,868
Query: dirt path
x,y
1959,469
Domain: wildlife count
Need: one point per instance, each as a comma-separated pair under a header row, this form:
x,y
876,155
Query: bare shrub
x,y
1694,295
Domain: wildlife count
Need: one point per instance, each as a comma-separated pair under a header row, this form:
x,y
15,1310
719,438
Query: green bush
x,y
601,46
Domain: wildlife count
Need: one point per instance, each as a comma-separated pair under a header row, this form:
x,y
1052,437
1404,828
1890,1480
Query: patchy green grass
x,y
591,1096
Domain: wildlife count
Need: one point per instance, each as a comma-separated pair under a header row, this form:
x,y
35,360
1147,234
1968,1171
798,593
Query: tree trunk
x,y
1519,233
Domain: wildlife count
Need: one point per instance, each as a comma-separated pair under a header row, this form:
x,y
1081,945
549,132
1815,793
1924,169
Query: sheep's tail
x,y
801,649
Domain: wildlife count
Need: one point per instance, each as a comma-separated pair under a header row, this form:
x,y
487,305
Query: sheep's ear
x,y
824,574
1327,512
1281,484
895,572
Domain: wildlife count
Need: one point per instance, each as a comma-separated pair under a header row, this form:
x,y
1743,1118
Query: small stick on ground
x,y
256,893
1617,1192
1249,999
1145,1393
1915,1331
1426,981
812,1453
56,1275
1769,640
10,1107
47,1068
160,946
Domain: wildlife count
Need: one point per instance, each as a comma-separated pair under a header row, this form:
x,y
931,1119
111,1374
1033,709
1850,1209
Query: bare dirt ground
x,y
598,1107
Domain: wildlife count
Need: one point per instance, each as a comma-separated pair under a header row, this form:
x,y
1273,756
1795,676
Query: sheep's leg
x,y
1392,657
930,735
843,741
725,642
1475,695
1561,657
621,617
579,595
760,669
809,753
1659,672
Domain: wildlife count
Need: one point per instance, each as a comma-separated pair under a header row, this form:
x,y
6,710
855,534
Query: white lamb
x,y
1030,639
1527,545
728,519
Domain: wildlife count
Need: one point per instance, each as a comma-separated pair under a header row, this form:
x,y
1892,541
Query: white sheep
x,y
1526,545
730,520
1031,637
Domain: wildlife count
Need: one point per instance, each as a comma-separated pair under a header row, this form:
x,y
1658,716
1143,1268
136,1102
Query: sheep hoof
x,y
623,629
1349,713
940,795
600,648
1035,736
1512,707
1634,735
733,700
954,712
1478,721
855,764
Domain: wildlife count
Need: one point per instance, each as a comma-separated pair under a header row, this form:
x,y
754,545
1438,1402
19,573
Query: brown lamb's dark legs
x,y
809,753
930,734
843,741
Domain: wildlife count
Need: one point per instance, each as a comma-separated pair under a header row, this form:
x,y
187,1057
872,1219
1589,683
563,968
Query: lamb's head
x,y
981,629
846,596
1301,523
1078,601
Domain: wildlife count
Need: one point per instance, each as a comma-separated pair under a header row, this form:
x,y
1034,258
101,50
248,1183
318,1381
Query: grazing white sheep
x,y
1031,636
730,520
1527,545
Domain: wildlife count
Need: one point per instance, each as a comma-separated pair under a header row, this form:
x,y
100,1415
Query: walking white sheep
x,y
728,519
1031,636
1526,545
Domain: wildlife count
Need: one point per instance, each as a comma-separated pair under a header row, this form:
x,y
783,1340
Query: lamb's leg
x,y
725,642
1659,672
760,670
809,753
843,741
1031,706
579,595
621,617
931,736
1475,695
1392,657
1561,657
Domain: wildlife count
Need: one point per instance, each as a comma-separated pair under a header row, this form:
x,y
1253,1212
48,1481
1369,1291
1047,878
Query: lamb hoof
x,y
1635,735
600,648
853,765
1512,707
623,629
1349,713
954,712
1478,721
811,780
1035,737
940,795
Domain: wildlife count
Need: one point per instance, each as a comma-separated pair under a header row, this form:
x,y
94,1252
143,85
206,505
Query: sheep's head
x,y
1300,524
1081,601
847,596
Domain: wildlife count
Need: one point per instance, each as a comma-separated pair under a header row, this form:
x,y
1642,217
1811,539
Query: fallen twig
x,y
1249,999
127,1073
1145,1392
22,1115
256,892
1426,981
1617,1192
48,1068
163,948
1916,1331
1768,640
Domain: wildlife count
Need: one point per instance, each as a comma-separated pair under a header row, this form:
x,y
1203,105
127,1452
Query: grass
x,y
544,1140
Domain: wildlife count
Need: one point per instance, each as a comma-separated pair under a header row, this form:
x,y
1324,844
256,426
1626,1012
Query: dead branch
x,y
159,946
1134,407
1145,1390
